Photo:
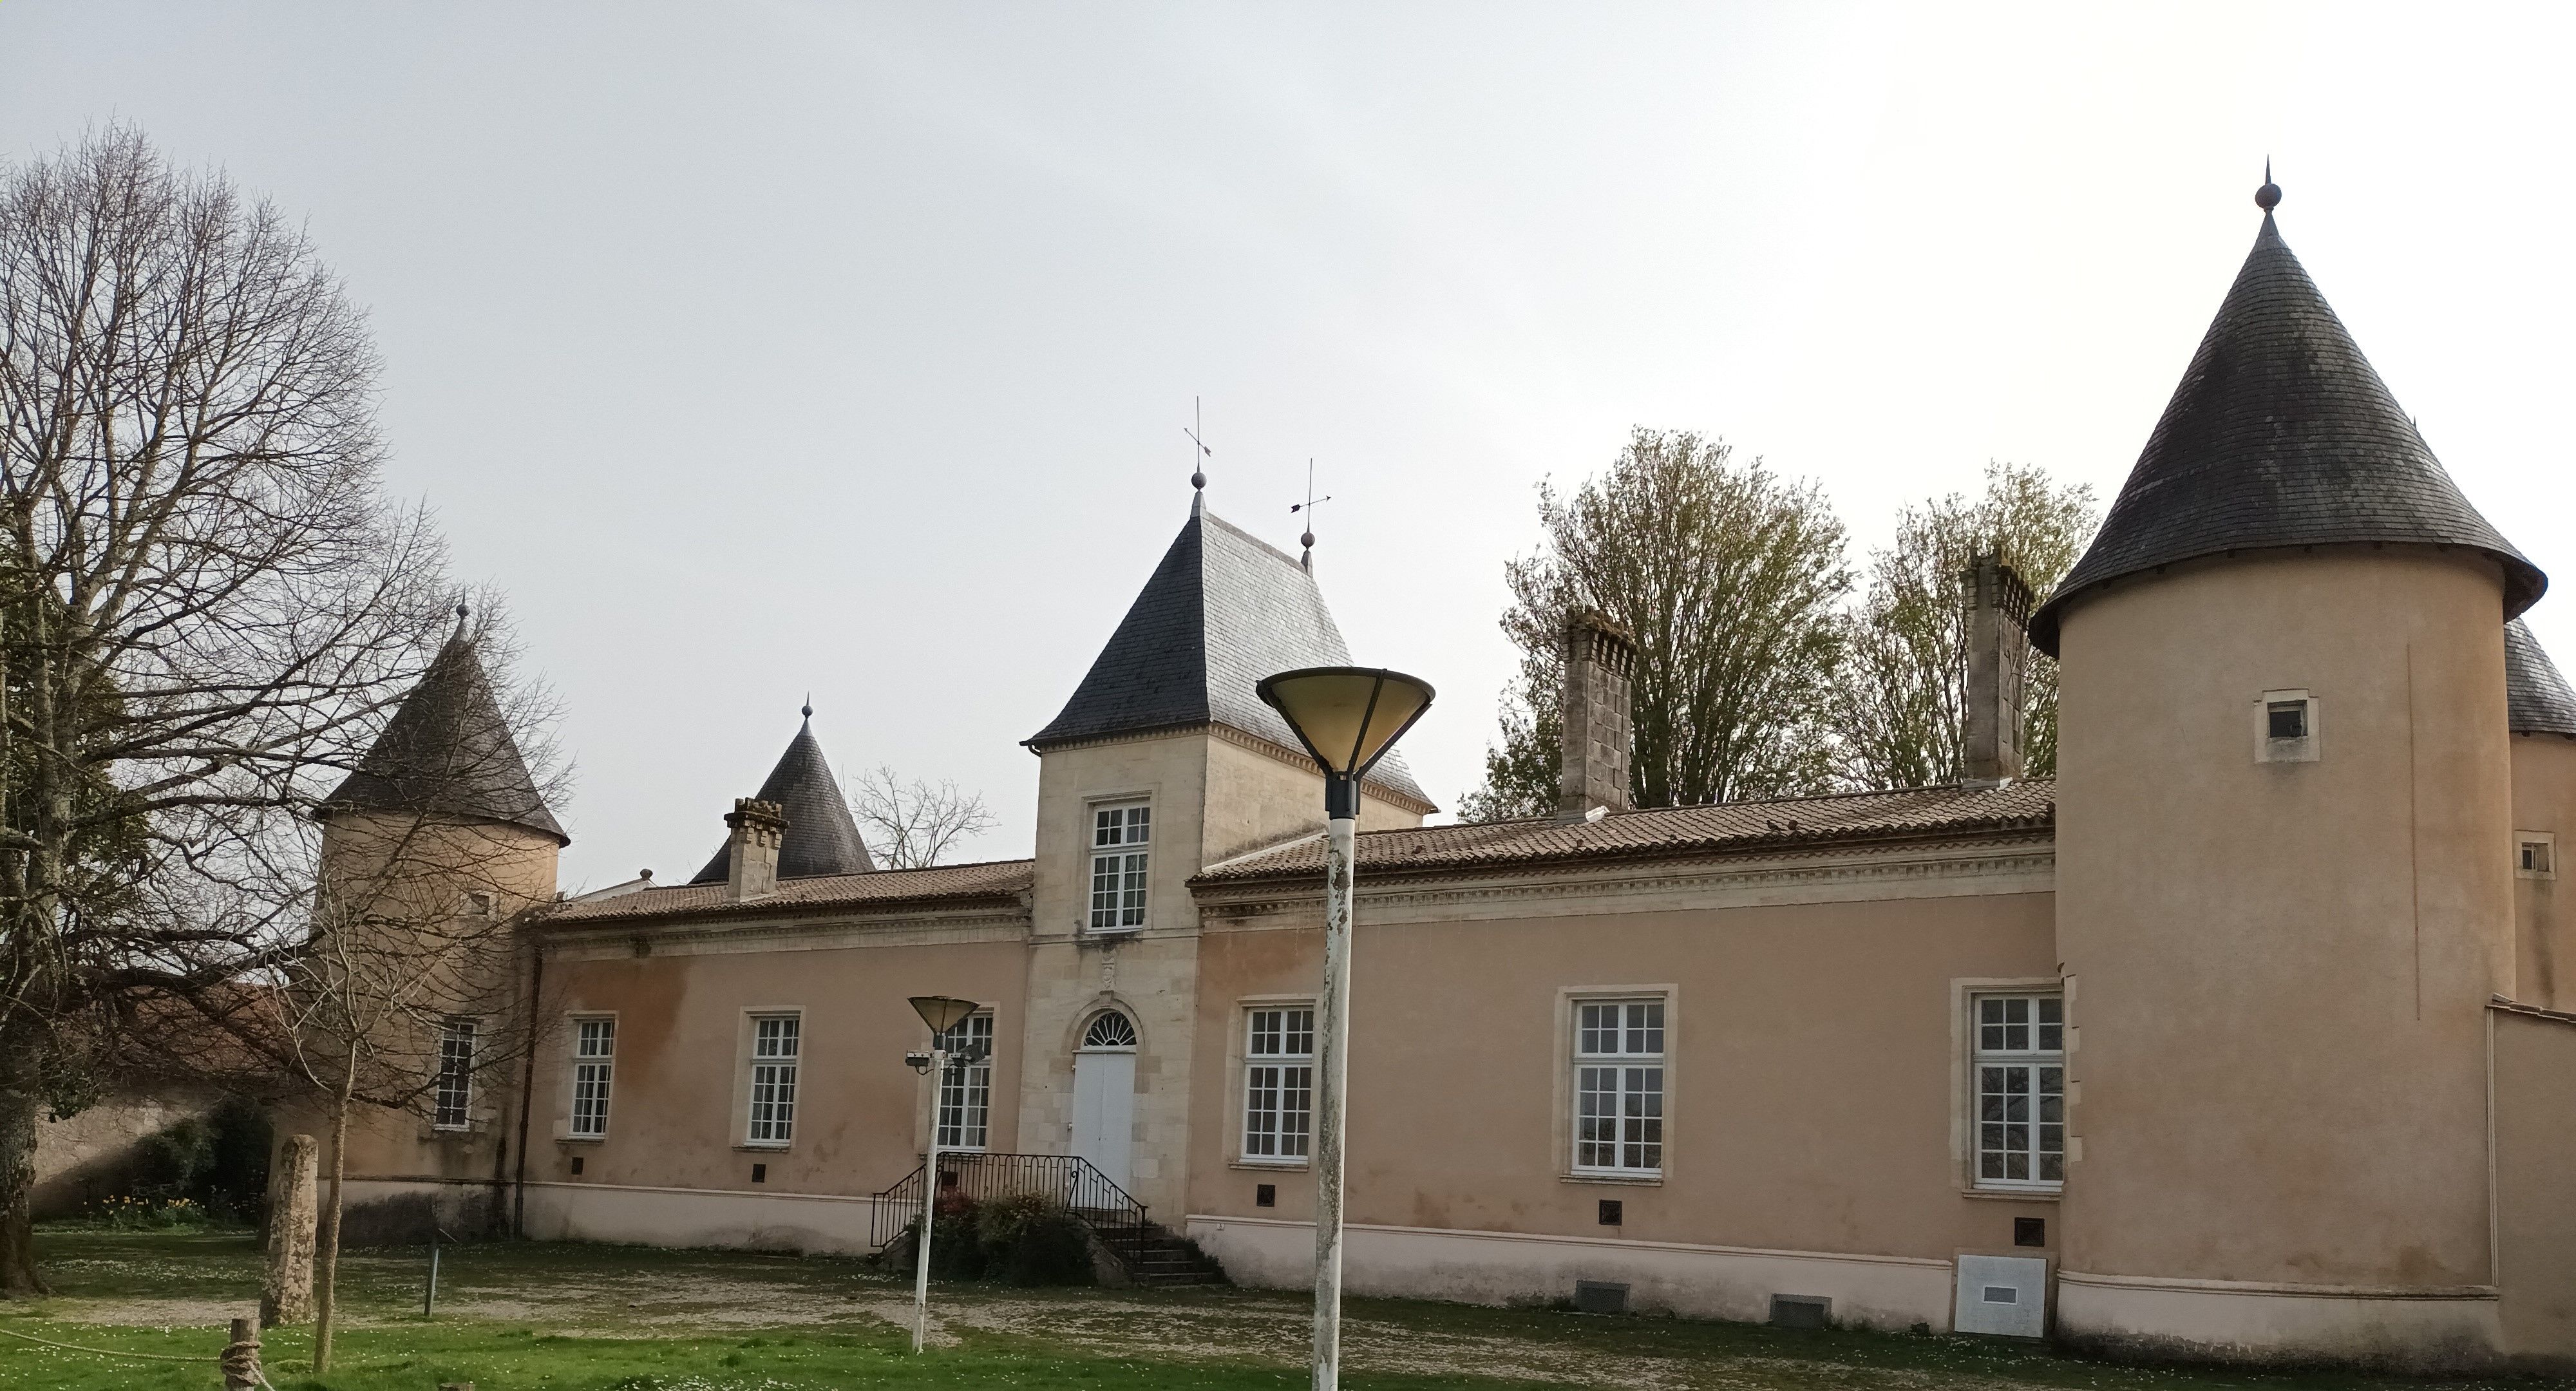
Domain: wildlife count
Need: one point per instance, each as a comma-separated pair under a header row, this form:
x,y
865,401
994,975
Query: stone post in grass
x,y
287,1294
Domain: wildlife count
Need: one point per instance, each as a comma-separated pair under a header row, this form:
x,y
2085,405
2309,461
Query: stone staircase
x,y
1152,1254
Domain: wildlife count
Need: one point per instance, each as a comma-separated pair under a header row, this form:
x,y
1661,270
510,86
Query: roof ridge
x,y
1715,806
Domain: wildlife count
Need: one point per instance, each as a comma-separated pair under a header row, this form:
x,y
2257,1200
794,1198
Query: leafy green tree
x,y
1729,577
1897,708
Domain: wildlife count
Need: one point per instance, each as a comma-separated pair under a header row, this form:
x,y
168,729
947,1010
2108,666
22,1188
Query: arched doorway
x,y
1104,1094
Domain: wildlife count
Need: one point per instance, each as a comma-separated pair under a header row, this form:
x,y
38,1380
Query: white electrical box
x,y
2006,1295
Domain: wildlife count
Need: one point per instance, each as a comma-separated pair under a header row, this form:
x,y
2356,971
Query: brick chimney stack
x,y
1592,771
1998,658
754,829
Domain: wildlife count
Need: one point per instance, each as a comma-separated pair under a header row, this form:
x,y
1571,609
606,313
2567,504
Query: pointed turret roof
x,y
1222,611
2280,435
822,837
448,751
2536,698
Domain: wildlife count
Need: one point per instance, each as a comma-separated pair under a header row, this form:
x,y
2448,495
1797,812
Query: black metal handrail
x,y
1067,1180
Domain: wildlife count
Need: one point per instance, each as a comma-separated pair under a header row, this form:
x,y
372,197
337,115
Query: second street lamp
x,y
1347,717
942,1013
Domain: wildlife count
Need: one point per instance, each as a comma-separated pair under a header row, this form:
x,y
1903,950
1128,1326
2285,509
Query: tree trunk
x,y
18,1279
326,1277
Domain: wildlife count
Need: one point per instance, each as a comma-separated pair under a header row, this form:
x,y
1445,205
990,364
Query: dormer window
x,y
2285,727
1120,835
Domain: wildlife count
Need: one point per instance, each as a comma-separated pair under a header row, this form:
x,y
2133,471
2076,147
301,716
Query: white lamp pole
x,y
1348,717
941,1013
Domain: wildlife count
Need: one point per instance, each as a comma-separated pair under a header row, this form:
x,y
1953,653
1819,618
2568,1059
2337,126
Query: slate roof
x,y
2536,698
448,751
1672,832
997,881
1221,611
821,838
2280,434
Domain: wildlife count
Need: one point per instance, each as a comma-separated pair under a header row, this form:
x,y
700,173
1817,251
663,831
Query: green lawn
x,y
514,1316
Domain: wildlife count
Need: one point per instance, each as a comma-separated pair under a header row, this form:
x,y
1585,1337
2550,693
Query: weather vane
x,y
1308,507
1198,473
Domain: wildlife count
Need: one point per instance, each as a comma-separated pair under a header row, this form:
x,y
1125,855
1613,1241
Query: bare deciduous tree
x,y
1728,576
206,606
1898,706
911,825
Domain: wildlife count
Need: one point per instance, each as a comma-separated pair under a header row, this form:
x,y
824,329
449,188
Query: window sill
x,y
581,1139
1638,1180
2015,1195
452,1129
767,1146
1273,1166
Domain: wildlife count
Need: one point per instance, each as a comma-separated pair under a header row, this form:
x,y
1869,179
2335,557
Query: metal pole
x,y
1332,1070
429,1301
929,1198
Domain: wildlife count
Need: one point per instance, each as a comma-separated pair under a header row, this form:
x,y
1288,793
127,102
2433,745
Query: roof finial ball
x,y
807,710
2268,196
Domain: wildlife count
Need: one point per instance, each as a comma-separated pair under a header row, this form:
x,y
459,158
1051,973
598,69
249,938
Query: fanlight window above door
x,y
1110,1029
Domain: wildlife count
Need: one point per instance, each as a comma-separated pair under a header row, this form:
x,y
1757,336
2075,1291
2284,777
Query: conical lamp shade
x,y
1347,716
941,1012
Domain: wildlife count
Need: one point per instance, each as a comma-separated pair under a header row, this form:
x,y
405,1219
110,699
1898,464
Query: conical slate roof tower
x,y
2280,435
822,837
448,751
1221,611
2537,699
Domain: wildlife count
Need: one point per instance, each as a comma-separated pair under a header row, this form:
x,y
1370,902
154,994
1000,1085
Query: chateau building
x,y
2251,1034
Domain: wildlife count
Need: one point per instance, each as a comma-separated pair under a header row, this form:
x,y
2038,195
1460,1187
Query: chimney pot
x,y
754,829
1592,769
1997,658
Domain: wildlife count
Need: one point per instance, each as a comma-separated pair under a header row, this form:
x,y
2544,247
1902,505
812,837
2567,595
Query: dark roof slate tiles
x,y
822,837
448,752
1221,611
2536,698
2280,434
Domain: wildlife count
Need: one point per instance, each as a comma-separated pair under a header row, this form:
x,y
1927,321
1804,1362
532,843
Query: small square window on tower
x,y
2285,727
2535,855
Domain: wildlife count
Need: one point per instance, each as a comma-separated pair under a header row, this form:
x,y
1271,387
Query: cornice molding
x,y
1294,758
791,934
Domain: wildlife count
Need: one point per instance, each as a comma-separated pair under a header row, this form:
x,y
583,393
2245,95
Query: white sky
x,y
760,348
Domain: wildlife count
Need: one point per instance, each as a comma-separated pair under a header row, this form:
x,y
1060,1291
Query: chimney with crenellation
x,y
1997,663
754,829
1592,773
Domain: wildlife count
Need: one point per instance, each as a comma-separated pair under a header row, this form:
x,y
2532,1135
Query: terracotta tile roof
x,y
1222,610
874,891
2280,434
1728,828
2536,697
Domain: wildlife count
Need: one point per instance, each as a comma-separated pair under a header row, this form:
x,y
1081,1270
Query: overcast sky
x,y
763,348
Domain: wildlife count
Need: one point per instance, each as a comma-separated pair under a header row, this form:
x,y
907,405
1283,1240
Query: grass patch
x,y
518,1316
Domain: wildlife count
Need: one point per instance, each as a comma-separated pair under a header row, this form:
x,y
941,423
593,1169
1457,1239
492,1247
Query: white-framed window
x,y
2285,727
2019,1068
452,1109
777,1042
1279,1082
2535,855
1120,837
966,1090
1619,1087
594,1064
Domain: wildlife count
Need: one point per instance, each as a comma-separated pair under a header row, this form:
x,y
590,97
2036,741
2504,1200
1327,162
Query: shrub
x,y
1024,1239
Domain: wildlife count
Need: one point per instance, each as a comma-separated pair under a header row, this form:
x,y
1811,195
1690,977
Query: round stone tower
x,y
2284,893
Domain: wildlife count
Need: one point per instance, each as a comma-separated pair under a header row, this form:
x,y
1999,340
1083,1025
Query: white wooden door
x,y
1104,1111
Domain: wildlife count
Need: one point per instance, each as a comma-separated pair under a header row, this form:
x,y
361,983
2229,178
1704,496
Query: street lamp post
x,y
1347,717
941,1013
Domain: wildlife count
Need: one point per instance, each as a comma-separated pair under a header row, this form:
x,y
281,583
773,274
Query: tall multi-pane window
x,y
2020,1068
1278,1083
594,1059
455,1075
966,1092
1619,1086
776,1043
1119,836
